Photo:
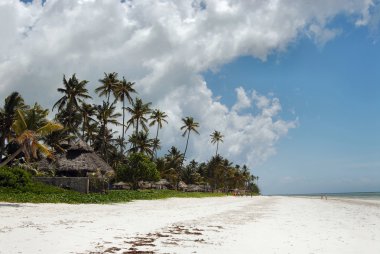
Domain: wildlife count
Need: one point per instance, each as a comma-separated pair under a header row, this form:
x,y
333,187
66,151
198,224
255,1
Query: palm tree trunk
x,y
187,142
83,127
2,148
11,157
122,135
154,148
217,146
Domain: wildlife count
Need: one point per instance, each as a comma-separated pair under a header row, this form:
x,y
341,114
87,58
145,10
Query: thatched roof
x,y
79,159
162,182
182,184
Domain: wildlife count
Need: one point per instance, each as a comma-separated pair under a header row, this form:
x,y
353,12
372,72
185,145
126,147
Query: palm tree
x,y
189,126
174,157
122,91
74,93
138,112
109,82
158,117
141,143
29,127
87,111
216,137
7,115
106,115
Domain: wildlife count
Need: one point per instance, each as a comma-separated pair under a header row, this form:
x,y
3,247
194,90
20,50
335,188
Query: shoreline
x,y
261,224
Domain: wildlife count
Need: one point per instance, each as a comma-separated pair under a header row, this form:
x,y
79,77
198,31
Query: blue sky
x,y
203,58
334,91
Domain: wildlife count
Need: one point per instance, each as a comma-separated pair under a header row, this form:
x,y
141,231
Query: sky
x,y
293,85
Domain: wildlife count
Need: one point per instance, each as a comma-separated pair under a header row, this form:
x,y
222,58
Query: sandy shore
x,y
209,225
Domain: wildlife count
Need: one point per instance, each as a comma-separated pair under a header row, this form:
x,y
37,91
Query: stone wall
x,y
80,184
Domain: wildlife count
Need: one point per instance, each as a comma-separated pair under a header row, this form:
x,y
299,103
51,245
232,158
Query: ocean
x,y
351,195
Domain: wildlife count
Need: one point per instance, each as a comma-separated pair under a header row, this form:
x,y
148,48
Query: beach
x,y
207,225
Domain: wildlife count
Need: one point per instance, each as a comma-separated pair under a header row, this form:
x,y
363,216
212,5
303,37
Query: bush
x,y
137,168
14,177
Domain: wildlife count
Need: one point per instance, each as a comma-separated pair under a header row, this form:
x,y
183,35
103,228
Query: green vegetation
x,y
27,135
41,193
138,167
14,178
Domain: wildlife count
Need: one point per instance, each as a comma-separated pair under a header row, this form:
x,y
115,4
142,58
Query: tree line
x,y
25,131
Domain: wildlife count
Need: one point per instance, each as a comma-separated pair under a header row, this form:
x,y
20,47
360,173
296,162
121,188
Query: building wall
x,y
80,184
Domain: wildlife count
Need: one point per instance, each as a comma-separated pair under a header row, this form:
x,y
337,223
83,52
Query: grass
x,y
41,193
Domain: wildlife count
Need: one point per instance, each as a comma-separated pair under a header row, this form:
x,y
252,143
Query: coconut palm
x,y
105,115
122,91
141,143
74,93
138,110
216,137
157,117
109,82
29,127
156,144
7,115
88,112
189,126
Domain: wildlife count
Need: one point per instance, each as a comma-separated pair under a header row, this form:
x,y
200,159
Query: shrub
x,y
14,177
137,168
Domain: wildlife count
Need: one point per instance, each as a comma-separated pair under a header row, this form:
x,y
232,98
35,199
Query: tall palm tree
x,y
216,137
157,117
122,91
29,127
74,93
88,112
109,83
7,115
189,126
138,110
106,115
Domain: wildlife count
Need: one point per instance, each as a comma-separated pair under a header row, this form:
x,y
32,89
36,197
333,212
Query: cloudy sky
x,y
294,85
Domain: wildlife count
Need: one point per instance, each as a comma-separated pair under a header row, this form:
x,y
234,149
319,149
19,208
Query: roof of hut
x,y
162,182
79,157
182,184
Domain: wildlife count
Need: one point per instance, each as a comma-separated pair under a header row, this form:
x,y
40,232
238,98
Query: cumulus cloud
x,y
164,46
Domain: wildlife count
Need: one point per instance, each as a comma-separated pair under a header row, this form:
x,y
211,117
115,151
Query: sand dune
x,y
209,225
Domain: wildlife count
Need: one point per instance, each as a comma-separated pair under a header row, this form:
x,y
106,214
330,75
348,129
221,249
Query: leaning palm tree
x,y
109,83
29,127
157,117
74,93
189,126
122,91
138,110
216,137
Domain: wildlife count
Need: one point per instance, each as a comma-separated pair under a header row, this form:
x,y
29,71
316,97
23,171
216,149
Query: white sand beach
x,y
208,225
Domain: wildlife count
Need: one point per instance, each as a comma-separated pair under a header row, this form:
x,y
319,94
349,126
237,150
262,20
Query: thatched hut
x,y
78,160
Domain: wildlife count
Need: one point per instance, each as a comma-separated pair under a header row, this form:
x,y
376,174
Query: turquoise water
x,y
354,195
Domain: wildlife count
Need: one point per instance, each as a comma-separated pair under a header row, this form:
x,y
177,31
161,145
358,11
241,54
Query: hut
x,y
162,184
79,160
182,186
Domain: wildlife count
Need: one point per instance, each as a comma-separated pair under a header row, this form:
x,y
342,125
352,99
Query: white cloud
x,y
242,100
164,46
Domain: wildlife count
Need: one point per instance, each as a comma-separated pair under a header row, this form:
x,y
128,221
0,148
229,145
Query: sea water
x,y
350,195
